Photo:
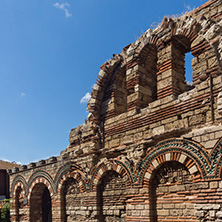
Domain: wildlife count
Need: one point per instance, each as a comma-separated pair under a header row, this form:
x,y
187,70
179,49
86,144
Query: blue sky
x,y
50,54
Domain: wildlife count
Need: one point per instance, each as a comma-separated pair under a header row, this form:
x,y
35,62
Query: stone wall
x,y
151,148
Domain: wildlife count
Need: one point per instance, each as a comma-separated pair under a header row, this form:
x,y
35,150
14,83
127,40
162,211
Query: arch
x,y
42,177
43,181
68,170
187,152
76,174
118,166
19,191
105,74
17,182
40,202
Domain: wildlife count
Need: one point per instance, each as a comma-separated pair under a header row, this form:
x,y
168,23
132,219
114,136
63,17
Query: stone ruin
x,y
151,148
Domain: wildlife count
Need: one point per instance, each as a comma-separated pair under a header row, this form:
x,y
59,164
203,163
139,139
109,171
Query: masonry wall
x,y
151,147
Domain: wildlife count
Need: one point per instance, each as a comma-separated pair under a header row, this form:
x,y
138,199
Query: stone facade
x,y
151,148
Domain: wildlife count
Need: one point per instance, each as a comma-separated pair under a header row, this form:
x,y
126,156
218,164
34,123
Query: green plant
x,y
5,212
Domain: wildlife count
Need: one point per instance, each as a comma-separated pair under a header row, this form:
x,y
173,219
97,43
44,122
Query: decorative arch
x,y
102,168
19,181
41,177
188,27
77,175
68,170
191,154
40,180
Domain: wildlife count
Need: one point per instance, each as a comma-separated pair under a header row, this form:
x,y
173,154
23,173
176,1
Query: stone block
x,y
158,130
196,119
193,169
212,213
163,212
210,144
219,214
214,185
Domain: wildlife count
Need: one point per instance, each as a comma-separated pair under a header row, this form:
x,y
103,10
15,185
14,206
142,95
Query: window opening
x,y
188,70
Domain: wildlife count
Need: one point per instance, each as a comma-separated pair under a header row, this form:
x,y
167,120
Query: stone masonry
x,y
151,148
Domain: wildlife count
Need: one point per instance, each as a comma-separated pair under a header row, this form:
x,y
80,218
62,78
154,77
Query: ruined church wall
x,y
151,148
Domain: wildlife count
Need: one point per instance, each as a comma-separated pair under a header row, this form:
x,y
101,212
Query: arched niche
x,y
170,192
70,202
40,204
111,197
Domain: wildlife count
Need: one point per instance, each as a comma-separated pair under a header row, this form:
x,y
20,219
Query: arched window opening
x,y
181,64
188,70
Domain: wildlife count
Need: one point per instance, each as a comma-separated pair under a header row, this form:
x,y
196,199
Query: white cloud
x,y
63,7
22,94
188,8
85,98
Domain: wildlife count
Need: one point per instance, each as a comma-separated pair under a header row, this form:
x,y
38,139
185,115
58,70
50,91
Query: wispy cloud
x,y
22,94
63,7
85,98
188,8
